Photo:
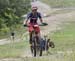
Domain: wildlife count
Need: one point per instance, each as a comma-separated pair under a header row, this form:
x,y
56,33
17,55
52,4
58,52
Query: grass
x,y
65,37
64,40
13,49
60,3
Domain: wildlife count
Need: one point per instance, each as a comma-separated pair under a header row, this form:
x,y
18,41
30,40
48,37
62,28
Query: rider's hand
x,y
24,25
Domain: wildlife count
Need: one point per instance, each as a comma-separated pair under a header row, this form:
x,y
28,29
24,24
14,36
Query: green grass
x,y
65,38
60,3
13,49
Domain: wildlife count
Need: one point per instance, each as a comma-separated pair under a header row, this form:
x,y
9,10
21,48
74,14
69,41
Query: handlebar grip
x,y
25,25
44,24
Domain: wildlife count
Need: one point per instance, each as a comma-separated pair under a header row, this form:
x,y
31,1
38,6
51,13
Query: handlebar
x,y
43,24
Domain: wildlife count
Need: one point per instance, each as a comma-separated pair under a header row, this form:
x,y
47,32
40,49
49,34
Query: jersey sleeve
x,y
39,15
28,15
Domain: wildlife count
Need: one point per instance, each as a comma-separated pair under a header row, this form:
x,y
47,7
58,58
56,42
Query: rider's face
x,y
34,11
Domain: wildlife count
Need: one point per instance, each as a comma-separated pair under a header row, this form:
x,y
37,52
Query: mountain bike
x,y
36,48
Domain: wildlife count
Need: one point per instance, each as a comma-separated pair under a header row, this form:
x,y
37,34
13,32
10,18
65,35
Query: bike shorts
x,y
32,28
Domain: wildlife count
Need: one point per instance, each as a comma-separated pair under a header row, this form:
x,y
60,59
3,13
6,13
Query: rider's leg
x,y
30,37
30,41
30,33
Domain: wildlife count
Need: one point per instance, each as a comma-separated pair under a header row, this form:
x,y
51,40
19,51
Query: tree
x,y
11,11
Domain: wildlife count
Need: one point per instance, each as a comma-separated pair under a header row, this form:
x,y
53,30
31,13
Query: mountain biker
x,y
32,17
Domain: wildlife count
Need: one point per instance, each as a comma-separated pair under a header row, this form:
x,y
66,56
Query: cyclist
x,y
32,17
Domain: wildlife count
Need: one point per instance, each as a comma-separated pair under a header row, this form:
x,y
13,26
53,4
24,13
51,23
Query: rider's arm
x,y
25,21
41,20
40,17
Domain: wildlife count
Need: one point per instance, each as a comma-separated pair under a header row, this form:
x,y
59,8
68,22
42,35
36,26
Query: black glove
x,y
24,25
